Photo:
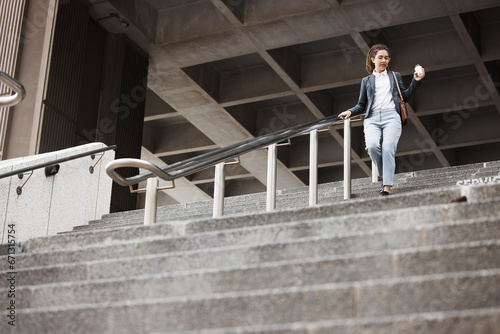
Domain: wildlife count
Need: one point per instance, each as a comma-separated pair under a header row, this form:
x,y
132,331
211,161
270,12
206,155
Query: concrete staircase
x,y
298,197
423,260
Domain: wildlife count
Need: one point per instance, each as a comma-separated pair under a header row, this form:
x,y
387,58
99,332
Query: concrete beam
x,y
454,92
247,83
466,126
321,22
469,144
156,108
236,187
261,11
204,113
188,21
179,152
179,136
426,137
470,36
232,172
288,80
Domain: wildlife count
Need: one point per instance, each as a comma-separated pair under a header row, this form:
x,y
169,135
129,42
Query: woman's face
x,y
381,60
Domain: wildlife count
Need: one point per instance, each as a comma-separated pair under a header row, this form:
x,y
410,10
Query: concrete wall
x,y
48,205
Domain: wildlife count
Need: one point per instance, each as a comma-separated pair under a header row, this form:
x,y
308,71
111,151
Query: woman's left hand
x,y
418,78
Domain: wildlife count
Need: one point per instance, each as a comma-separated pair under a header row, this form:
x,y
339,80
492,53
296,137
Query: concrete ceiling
x,y
222,71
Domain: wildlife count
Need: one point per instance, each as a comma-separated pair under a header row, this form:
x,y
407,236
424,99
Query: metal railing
x,y
16,86
218,158
57,161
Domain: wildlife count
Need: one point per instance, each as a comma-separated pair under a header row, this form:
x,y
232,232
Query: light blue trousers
x,y
382,132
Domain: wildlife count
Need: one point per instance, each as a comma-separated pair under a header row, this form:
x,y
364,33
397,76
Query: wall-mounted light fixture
x,y
51,170
123,22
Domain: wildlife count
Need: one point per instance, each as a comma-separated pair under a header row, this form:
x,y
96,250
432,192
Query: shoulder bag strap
x,y
397,85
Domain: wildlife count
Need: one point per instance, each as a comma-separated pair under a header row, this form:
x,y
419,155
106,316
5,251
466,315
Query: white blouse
x,y
383,95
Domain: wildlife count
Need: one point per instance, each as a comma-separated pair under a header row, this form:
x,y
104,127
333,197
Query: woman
x,y
379,99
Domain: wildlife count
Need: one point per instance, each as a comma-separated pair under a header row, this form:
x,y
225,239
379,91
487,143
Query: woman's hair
x,y
370,66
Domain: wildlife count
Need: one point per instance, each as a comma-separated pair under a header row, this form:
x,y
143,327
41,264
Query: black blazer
x,y
367,93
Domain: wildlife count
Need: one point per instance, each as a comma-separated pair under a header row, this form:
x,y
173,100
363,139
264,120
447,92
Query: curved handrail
x,y
198,163
56,161
16,86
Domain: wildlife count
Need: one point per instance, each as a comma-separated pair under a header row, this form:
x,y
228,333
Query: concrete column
x,y
11,17
25,119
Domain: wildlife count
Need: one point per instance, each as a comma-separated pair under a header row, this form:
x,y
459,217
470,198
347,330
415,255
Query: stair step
x,y
477,321
392,218
240,255
324,270
368,299
413,199
179,212
428,175
164,214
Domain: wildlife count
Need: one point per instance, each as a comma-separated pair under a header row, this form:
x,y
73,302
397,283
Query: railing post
x,y
374,173
219,190
151,201
347,159
271,177
313,168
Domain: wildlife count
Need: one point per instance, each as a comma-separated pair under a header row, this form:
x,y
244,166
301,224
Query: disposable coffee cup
x,y
419,70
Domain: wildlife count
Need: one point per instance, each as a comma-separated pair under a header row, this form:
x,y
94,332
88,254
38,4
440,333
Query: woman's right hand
x,y
345,115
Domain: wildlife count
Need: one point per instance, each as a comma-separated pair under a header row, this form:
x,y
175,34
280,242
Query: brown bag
x,y
402,104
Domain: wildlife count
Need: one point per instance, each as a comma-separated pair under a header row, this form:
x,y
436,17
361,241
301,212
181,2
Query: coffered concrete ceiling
x,y
222,71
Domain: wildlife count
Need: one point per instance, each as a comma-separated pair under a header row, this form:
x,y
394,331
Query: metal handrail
x,y
16,86
206,160
218,158
53,162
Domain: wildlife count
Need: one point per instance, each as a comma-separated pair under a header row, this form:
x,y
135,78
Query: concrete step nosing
x,y
276,291
224,250
269,265
446,210
471,221
463,222
441,209
243,198
448,188
462,169
300,200
437,192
